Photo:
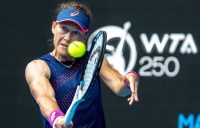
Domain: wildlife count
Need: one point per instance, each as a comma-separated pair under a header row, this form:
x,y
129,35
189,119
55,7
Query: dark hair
x,y
74,5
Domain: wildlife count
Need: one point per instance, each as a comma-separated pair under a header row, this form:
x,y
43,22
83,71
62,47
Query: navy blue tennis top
x,y
64,80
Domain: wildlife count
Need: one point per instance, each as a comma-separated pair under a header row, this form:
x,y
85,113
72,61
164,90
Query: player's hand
x,y
133,83
60,123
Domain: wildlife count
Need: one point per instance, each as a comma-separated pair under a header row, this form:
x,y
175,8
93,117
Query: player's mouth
x,y
64,45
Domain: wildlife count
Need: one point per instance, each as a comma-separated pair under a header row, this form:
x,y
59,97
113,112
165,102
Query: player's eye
x,y
76,33
64,29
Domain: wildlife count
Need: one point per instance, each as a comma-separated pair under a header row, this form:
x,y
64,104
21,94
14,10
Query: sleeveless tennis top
x,y
64,80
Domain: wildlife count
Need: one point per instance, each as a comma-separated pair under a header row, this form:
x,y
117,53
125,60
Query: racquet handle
x,y
70,114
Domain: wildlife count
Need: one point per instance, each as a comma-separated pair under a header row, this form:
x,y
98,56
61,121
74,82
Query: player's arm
x,y
116,82
37,75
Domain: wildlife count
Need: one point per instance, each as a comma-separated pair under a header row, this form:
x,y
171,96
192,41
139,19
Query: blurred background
x,y
160,40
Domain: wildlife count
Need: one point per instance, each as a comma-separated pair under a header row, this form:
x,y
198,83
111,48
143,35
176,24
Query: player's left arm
x,y
118,83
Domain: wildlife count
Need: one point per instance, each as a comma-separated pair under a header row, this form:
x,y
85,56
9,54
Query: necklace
x,y
67,64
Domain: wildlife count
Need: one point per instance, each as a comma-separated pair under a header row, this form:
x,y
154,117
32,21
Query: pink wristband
x,y
127,75
54,114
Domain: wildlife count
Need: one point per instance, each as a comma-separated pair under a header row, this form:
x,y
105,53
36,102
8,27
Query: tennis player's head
x,y
71,23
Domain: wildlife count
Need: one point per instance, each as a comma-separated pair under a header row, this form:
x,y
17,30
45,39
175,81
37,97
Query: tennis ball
x,y
76,49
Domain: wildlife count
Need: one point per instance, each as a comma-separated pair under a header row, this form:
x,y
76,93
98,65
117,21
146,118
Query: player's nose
x,y
68,37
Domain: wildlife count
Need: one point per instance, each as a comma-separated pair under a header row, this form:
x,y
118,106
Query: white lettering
x,y
189,45
176,38
154,40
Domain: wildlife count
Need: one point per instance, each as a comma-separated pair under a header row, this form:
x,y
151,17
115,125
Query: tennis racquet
x,y
92,67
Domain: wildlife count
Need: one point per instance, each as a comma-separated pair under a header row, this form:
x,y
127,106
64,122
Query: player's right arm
x,y
37,75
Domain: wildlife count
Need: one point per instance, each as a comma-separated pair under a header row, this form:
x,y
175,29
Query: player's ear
x,y
53,27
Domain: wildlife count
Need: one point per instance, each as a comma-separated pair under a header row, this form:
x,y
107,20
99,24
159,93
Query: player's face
x,y
64,33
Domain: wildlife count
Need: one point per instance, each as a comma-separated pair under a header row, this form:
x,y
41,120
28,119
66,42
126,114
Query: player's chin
x,y
65,54
62,49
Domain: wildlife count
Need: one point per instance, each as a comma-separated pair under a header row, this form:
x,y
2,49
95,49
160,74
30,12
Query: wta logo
x,y
162,51
120,47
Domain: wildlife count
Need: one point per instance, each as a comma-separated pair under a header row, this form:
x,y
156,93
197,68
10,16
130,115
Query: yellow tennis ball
x,y
76,49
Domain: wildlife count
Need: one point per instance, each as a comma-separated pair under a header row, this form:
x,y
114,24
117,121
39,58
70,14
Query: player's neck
x,y
62,58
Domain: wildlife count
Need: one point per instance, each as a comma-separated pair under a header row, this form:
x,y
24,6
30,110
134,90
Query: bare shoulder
x,y
36,68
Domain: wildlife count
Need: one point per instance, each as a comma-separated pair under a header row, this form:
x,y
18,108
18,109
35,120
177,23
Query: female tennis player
x,y
53,78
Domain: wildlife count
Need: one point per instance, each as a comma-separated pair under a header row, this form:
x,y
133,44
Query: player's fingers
x,y
131,99
71,125
59,123
57,126
63,125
